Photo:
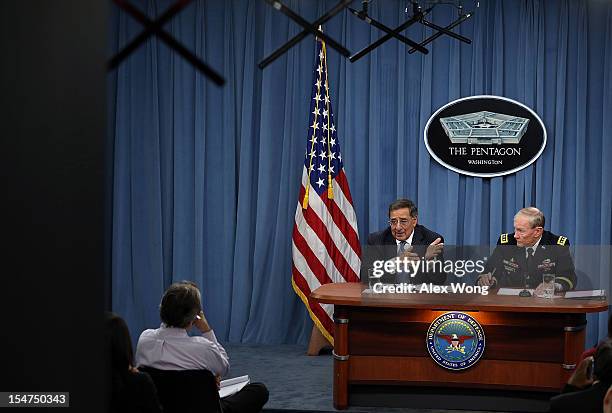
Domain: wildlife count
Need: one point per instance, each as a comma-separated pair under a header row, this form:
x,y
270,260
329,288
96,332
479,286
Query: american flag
x,y
325,239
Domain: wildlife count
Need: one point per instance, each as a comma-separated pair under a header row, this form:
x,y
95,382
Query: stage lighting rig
x,y
418,16
363,15
309,28
155,27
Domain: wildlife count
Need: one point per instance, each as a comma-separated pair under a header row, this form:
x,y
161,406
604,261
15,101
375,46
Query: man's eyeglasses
x,y
401,222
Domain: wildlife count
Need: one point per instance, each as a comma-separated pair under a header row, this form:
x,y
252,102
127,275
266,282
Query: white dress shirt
x,y
534,247
408,241
169,348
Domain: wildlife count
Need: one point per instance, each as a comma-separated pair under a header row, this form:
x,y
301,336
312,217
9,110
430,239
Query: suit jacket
x,y
589,400
551,257
382,245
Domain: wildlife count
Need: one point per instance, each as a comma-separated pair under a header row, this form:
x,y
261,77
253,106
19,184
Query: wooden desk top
x,y
350,294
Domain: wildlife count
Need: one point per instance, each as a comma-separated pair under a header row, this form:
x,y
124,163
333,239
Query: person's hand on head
x,y
201,323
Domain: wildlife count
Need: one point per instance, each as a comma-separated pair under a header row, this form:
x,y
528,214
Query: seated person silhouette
x,y
131,390
170,347
520,259
586,389
407,240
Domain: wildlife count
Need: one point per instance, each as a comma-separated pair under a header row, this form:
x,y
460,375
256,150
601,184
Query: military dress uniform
x,y
515,267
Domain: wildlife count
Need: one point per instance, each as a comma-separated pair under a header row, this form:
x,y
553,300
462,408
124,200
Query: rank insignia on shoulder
x,y
562,240
503,238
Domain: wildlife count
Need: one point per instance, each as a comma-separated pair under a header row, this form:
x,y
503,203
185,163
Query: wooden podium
x,y
531,343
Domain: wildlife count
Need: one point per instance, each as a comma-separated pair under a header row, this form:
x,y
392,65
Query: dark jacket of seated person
x,y
131,390
382,246
170,347
584,392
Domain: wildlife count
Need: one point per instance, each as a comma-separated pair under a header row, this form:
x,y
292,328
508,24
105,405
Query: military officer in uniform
x,y
520,259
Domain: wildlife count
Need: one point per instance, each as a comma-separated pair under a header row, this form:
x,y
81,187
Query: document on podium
x,y
587,294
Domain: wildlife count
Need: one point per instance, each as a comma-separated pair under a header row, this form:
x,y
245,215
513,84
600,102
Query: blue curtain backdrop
x,y
205,179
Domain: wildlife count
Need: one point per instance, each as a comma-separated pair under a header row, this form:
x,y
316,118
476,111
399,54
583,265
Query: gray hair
x,y
404,203
180,304
534,215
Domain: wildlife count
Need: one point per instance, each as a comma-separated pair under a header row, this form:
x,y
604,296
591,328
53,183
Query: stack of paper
x,y
231,386
586,294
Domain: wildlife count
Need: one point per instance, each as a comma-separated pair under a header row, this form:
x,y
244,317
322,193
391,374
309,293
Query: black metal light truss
x,y
154,27
414,19
446,30
309,28
417,17
363,15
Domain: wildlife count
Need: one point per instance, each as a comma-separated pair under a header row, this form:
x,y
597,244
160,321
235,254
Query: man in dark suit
x,y
405,238
520,259
586,389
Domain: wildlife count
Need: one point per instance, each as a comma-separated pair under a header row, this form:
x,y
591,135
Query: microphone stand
x,y
525,292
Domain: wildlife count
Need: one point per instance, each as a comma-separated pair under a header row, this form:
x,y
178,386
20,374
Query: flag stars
x,y
323,157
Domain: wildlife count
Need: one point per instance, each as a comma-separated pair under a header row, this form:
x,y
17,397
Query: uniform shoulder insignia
x,y
562,240
503,239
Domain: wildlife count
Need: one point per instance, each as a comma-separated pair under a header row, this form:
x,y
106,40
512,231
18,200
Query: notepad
x,y
232,386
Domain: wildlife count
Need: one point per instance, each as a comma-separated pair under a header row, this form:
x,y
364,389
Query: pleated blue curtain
x,y
206,178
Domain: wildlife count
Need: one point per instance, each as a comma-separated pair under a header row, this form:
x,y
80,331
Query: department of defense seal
x,y
455,340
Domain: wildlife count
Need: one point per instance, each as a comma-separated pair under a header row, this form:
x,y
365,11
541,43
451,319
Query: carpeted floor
x,y
296,381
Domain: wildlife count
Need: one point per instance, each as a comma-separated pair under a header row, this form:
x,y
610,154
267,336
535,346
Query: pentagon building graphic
x,y
484,128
